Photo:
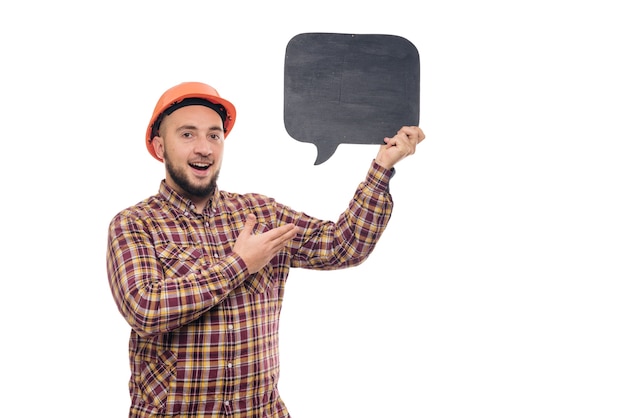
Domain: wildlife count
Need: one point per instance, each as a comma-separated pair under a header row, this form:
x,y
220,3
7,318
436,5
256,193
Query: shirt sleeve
x,y
150,302
348,241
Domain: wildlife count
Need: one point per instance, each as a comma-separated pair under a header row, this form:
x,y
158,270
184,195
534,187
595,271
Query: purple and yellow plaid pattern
x,y
204,332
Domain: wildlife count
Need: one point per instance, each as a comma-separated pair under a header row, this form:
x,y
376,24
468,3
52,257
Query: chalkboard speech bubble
x,y
350,89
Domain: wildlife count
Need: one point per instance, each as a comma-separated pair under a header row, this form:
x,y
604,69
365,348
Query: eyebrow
x,y
215,128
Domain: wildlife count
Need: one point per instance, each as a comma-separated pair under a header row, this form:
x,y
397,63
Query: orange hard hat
x,y
189,90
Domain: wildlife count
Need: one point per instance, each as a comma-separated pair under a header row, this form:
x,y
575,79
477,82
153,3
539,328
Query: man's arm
x,y
150,301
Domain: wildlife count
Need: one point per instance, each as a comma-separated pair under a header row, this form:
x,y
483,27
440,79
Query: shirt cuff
x,y
378,177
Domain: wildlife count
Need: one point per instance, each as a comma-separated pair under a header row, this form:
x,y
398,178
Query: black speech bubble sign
x,y
347,88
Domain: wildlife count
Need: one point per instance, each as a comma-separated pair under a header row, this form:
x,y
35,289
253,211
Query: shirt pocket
x,y
154,377
179,260
260,281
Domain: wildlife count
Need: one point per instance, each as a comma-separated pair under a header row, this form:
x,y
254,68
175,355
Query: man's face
x,y
191,143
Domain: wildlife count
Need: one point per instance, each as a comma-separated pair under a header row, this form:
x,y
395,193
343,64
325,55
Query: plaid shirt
x,y
204,331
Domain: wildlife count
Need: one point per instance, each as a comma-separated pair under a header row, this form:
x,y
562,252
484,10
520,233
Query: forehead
x,y
198,114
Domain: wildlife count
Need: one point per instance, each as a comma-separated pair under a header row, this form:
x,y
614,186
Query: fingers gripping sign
x,y
257,250
399,146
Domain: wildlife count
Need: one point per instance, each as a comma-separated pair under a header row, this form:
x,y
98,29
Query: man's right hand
x,y
257,250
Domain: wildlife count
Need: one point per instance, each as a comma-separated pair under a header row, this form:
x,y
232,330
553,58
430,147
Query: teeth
x,y
200,165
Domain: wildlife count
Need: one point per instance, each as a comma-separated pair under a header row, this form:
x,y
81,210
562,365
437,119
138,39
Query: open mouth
x,y
200,166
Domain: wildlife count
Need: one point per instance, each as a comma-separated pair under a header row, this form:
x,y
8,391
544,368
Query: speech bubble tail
x,y
324,152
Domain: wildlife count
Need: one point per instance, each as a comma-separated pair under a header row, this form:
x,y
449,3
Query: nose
x,y
203,146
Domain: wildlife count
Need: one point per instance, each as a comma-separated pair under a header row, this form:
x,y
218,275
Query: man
x,y
199,273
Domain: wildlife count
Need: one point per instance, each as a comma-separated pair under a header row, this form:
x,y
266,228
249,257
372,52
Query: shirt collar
x,y
183,204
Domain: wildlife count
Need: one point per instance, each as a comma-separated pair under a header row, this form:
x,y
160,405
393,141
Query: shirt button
x,y
186,213
231,327
226,403
216,255
230,365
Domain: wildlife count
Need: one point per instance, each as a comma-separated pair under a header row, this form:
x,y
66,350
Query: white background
x,y
498,288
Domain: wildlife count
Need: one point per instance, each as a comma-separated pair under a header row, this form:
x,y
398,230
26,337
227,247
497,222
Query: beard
x,y
183,181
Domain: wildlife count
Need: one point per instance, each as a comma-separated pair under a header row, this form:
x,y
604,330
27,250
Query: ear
x,y
157,143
